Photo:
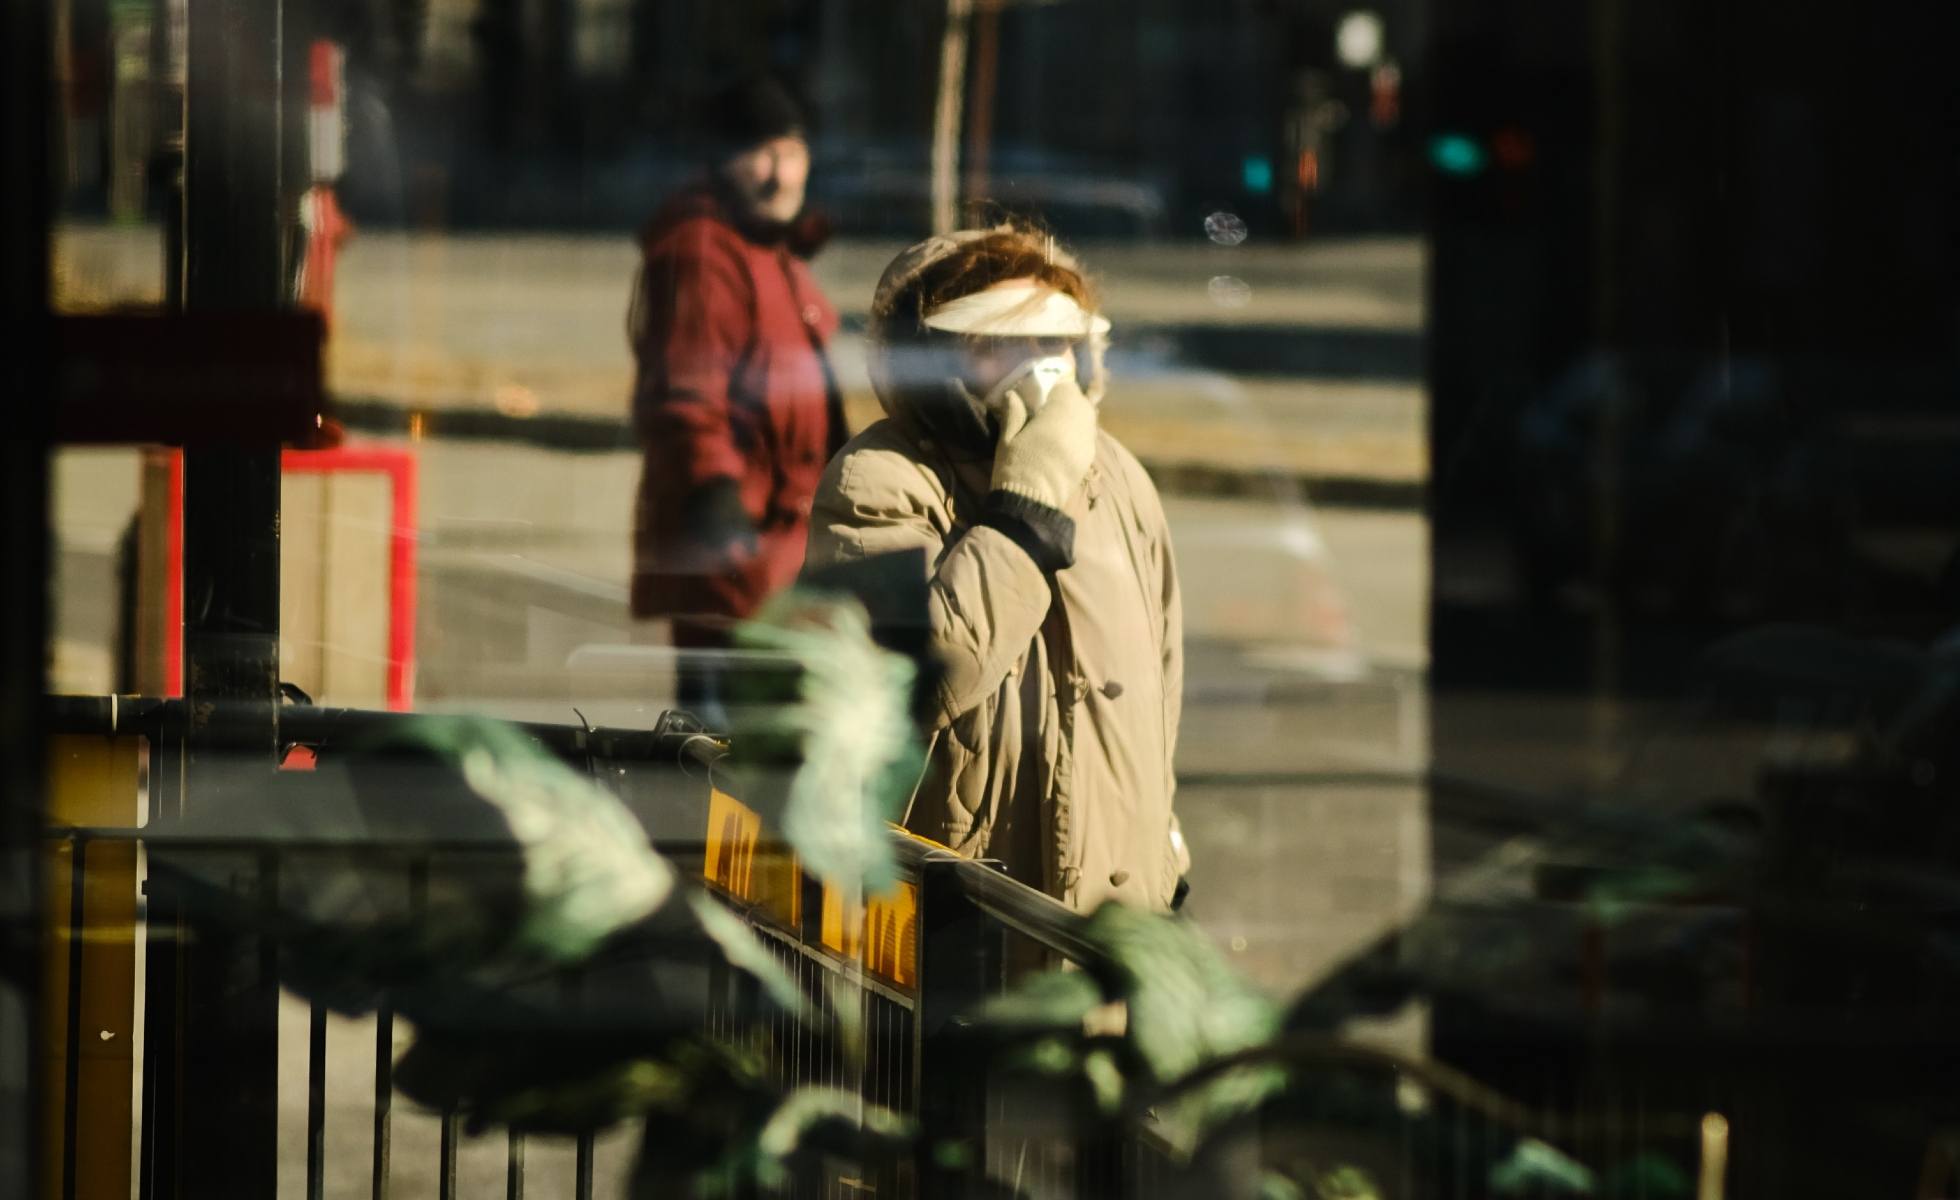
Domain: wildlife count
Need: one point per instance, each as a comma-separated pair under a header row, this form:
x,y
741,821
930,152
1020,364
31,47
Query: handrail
x,y
312,725
955,917
1024,909
1021,908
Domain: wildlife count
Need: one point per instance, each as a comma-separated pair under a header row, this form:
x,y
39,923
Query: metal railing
x,y
915,973
917,966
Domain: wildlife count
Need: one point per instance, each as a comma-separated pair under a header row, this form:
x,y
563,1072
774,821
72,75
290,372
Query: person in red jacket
x,y
734,403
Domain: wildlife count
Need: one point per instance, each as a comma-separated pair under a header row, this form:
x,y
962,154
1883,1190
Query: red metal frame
x,y
399,466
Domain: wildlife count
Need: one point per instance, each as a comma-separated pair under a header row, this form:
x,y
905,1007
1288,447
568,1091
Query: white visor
x,y
1017,310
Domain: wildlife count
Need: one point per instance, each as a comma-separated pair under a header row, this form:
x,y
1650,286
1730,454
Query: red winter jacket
x,y
729,331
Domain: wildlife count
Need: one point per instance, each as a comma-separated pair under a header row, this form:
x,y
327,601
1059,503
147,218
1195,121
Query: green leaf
x,y
1533,1165
1186,1007
1274,1186
1105,1079
746,953
953,1155
532,1089
1044,1056
1346,1183
1613,896
617,1091
847,1014
808,1118
847,727
1049,1000
1649,1176
588,868
1186,1004
808,1108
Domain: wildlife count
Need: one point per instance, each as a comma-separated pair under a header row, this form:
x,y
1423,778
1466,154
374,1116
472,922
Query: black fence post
x,y
157,1174
28,373
1102,1160
235,260
960,954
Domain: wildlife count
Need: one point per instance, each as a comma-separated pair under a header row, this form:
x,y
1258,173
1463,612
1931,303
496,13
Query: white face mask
x,y
1034,379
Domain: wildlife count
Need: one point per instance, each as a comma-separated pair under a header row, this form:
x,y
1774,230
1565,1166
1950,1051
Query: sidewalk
x,y
1234,369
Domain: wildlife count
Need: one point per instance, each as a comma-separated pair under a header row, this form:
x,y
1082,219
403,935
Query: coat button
x,y
1118,878
1112,689
812,314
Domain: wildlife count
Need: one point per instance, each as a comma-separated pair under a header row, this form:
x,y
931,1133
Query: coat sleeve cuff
x,y
1047,534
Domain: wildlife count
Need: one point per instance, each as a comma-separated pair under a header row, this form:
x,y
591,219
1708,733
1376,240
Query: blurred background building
x,y
1112,118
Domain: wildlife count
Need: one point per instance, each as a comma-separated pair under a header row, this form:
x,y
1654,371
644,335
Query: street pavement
x,y
1296,361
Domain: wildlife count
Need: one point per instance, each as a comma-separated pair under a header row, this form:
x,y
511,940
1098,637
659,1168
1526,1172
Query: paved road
x,y
1306,364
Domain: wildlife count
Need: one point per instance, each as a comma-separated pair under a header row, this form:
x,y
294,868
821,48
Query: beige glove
x,y
1045,457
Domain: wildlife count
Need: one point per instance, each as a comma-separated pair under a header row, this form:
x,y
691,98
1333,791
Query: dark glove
x,y
715,524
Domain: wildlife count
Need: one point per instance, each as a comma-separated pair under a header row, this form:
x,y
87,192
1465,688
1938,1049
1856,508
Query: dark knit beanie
x,y
746,113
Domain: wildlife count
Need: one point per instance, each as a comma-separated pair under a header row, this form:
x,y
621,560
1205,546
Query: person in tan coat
x,y
1054,596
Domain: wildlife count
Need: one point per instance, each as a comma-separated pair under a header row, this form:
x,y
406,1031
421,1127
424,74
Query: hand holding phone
x,y
1033,382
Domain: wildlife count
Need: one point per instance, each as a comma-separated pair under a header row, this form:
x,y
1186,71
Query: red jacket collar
x,y
802,237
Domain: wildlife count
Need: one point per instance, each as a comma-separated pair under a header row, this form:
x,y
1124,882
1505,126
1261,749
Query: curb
x,y
601,434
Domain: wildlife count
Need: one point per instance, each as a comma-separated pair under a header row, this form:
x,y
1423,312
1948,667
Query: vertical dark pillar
x,y
234,137
236,247
25,48
499,31
960,957
558,80
1691,359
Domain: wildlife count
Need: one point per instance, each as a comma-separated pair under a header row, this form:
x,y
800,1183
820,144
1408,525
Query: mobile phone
x,y
1043,373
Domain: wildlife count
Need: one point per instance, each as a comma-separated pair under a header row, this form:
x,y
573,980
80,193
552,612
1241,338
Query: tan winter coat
x,y
1056,723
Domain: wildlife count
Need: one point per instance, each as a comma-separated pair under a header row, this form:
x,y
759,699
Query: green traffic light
x,y
1455,154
